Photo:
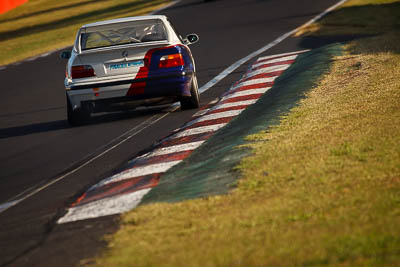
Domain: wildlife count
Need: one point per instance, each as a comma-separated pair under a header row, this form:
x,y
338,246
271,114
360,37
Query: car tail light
x,y
170,61
82,71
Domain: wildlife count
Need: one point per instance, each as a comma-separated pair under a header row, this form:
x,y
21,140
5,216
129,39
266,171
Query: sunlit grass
x,y
358,17
44,25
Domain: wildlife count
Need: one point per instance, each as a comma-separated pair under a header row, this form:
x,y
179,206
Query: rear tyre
x,y
193,101
78,116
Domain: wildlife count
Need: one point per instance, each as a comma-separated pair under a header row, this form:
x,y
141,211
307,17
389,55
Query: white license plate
x,y
125,65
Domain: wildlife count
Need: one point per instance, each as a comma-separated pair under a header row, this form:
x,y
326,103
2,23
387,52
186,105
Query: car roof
x,y
120,20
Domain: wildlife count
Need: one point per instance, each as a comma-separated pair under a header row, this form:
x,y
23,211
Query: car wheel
x,y
194,100
76,117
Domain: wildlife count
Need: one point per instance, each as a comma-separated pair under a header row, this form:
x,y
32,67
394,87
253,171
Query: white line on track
x,y
234,104
240,62
6,205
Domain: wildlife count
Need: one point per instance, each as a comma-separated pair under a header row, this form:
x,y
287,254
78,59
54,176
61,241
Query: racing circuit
x,y
54,173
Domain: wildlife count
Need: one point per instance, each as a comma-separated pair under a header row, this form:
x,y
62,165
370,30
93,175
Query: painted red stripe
x,y
186,139
268,59
242,98
253,86
210,122
227,109
257,85
138,183
273,64
119,188
264,75
250,87
162,158
206,106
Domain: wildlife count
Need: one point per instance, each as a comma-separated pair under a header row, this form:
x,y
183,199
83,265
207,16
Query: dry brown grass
x,y
40,26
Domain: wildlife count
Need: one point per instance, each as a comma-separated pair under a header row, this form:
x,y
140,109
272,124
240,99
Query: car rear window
x,y
126,33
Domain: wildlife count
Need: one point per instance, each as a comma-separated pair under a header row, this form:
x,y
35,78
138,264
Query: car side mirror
x,y
191,39
66,54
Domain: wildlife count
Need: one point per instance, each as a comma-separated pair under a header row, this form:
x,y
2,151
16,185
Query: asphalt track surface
x,y
38,147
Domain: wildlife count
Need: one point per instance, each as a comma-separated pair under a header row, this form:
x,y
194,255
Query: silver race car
x,y
125,63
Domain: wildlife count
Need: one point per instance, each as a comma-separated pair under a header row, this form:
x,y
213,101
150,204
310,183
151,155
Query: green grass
x,y
321,188
44,25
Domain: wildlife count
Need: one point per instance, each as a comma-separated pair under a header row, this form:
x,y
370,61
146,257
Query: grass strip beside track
x,y
321,188
40,26
210,169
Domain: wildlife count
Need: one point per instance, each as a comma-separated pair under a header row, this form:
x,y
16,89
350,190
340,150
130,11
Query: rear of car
x,y
125,63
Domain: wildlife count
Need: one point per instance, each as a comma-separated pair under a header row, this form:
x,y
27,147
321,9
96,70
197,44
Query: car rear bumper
x,y
136,92
168,77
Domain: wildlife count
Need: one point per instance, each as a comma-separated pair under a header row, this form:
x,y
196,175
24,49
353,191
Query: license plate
x,y
125,65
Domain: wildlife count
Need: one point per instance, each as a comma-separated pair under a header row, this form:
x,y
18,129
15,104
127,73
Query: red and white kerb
x,y
124,191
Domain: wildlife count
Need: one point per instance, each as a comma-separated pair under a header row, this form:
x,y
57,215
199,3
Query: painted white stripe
x,y
215,116
226,105
172,149
199,130
229,113
136,172
276,60
104,207
266,70
234,104
255,81
284,54
246,92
